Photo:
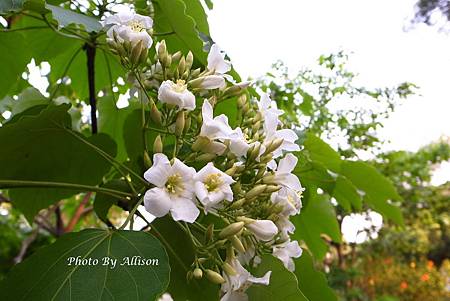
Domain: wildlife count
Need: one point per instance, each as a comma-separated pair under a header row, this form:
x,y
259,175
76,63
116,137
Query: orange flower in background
x,y
412,265
430,264
425,277
403,285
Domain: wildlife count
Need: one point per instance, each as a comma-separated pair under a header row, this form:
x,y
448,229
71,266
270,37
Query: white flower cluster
x,y
242,175
128,26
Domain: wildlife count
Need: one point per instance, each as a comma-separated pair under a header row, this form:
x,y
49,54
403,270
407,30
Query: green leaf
x,y
195,9
323,153
28,98
170,16
346,194
310,230
46,275
312,283
66,17
378,189
103,202
10,5
283,284
181,255
44,43
111,121
43,148
14,58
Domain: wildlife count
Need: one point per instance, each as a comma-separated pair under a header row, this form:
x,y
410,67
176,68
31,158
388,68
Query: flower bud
x,y
157,145
255,152
209,233
238,204
147,160
272,188
155,114
236,187
197,273
187,124
264,230
231,171
200,143
179,124
255,191
181,65
143,56
276,143
237,244
245,219
162,52
228,269
214,277
205,157
195,72
176,56
232,229
136,53
189,60
241,101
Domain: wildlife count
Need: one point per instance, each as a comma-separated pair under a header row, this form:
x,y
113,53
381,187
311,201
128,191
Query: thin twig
x,y
78,212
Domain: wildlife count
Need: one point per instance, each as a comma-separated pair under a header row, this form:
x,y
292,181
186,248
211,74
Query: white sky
x,y
255,33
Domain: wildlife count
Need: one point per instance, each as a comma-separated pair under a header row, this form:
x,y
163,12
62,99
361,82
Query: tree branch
x,y
78,212
90,53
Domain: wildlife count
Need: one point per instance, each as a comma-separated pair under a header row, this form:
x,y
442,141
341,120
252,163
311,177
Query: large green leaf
x,y
311,282
44,43
111,121
44,148
47,275
195,9
170,16
10,5
66,17
346,194
13,59
310,230
283,284
181,255
378,189
322,152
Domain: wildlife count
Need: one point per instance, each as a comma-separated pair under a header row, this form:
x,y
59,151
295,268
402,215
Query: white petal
x,y
291,181
157,201
264,230
216,60
287,164
213,82
184,210
159,172
264,280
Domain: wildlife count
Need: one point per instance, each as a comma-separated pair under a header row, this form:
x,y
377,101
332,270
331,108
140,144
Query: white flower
x,y
270,114
285,226
212,186
212,82
286,251
165,297
129,26
217,62
283,173
289,199
176,94
238,143
264,230
235,286
174,189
